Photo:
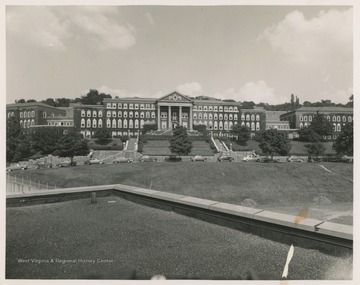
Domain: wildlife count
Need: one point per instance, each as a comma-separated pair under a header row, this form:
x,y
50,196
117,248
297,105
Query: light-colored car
x,y
198,158
147,158
251,157
348,159
122,160
42,165
294,158
94,161
17,167
225,158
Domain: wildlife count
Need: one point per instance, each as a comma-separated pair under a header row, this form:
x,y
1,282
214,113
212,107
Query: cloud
x,y
191,89
311,41
105,32
52,27
257,92
38,25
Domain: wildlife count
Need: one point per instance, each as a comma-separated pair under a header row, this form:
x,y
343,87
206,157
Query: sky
x,y
245,53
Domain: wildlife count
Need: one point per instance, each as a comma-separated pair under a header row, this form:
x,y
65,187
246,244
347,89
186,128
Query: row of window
x,y
164,115
334,118
249,117
114,123
27,114
216,108
119,114
27,123
60,123
215,116
336,126
252,126
129,106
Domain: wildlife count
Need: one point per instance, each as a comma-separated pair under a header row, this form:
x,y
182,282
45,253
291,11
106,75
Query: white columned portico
x,y
169,119
158,118
180,116
191,119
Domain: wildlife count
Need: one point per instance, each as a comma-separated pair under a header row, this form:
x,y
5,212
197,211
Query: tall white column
x,y
169,119
180,116
158,117
191,119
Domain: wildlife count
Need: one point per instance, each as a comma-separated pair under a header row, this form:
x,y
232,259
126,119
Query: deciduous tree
x,y
242,134
344,143
180,142
274,141
71,144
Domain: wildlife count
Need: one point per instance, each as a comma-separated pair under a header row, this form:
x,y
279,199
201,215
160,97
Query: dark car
x,y
42,165
173,158
67,163
122,160
269,160
147,158
225,158
314,159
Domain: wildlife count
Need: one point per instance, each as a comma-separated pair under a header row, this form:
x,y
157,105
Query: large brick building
x,y
127,116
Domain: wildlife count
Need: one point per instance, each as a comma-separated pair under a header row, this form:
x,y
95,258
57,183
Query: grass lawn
x,y
110,239
269,185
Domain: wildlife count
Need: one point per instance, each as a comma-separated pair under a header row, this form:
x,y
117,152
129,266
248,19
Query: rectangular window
x,y
125,105
136,106
108,105
119,105
114,105
131,106
141,106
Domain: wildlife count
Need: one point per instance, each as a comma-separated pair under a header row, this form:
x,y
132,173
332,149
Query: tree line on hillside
x,y
21,145
93,97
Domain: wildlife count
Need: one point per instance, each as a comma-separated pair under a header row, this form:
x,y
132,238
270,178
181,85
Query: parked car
x,y
198,158
173,158
67,163
122,160
251,157
147,158
347,159
225,158
94,161
17,167
39,165
294,158
269,160
314,159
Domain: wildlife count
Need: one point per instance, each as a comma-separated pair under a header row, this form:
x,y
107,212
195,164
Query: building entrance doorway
x,y
163,125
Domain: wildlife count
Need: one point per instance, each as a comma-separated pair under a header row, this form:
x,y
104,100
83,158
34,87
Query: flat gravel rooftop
x,y
114,238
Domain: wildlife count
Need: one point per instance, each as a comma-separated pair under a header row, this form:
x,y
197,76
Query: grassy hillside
x,y
266,184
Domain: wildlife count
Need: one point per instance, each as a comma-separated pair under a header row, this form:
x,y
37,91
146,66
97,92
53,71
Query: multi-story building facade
x,y
33,114
302,117
127,116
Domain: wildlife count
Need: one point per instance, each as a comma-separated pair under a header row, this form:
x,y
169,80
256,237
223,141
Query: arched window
x,y
210,116
305,118
215,116
242,124
247,117
32,122
108,123
125,124
141,124
136,123
301,118
334,118
257,117
334,125
114,123
100,123
310,118
114,114
131,114
83,123
108,114
328,118
82,113
131,124
88,113
252,126
215,125
338,118
200,116
344,118
142,115
220,125
152,115
231,125
94,113
29,114
257,126
226,125
94,123
32,113
338,127
248,124
350,119
205,116
21,123
147,115
226,117
235,116
220,117
88,123
301,125
119,124
119,114
242,117
21,115
136,114
252,117
125,114
100,113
